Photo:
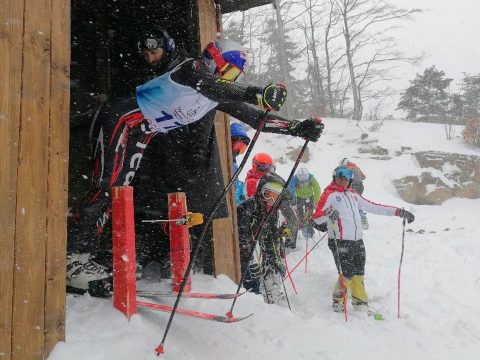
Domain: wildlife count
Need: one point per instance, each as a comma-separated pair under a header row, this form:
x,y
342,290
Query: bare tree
x,y
281,37
318,92
332,60
370,53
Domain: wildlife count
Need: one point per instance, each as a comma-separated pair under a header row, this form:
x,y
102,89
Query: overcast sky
x,y
448,32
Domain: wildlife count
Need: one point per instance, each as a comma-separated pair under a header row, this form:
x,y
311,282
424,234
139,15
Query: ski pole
x,y
288,275
342,278
267,216
400,267
160,348
286,295
311,249
306,252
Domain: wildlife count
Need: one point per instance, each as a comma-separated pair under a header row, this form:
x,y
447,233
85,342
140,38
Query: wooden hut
x,y
36,109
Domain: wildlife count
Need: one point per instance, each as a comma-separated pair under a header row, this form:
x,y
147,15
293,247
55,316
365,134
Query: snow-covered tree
x,y
427,95
471,95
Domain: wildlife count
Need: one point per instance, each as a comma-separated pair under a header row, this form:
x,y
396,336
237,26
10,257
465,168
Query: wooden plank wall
x,y
225,232
35,45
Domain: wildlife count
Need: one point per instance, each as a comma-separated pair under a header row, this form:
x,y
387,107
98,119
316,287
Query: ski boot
x,y
85,274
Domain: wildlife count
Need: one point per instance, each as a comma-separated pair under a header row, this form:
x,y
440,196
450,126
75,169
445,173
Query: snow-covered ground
x,y
440,294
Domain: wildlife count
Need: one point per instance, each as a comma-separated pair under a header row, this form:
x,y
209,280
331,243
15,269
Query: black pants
x,y
119,137
351,256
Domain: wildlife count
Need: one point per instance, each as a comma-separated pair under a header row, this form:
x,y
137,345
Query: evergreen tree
x,y
471,95
272,67
427,95
234,32
457,106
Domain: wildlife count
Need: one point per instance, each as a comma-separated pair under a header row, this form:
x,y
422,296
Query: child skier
x,y
306,190
339,206
250,214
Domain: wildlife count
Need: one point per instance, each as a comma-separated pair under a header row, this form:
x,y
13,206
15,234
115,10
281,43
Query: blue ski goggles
x,y
343,172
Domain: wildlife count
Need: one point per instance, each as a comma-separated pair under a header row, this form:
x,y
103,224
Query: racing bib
x,y
167,105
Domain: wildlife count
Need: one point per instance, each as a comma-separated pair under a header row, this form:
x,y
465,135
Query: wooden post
x,y
34,106
225,232
179,241
10,89
124,260
58,175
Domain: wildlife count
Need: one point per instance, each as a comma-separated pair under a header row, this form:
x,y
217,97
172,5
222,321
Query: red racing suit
x,y
348,203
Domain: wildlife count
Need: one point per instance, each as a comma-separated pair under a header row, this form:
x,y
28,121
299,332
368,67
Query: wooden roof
x,y
240,5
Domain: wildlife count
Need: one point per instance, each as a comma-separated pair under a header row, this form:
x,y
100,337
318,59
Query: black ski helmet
x,y
155,38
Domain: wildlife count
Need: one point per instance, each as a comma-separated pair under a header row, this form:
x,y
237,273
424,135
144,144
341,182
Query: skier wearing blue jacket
x,y
240,141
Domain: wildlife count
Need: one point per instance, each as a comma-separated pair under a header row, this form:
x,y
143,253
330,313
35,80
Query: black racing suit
x,y
120,136
250,214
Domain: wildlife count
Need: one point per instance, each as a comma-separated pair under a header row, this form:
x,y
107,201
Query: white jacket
x,y
348,203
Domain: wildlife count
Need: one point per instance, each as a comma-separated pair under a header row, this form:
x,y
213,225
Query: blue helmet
x,y
238,132
343,172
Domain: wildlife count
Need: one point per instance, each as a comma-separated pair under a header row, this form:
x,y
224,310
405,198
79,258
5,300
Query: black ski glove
x,y
407,215
309,129
273,97
332,214
320,227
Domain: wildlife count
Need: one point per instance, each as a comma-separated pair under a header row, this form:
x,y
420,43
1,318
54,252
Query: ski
x,y
191,313
154,293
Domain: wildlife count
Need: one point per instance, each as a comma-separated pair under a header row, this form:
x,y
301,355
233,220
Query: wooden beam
x,y
11,45
55,267
225,233
31,213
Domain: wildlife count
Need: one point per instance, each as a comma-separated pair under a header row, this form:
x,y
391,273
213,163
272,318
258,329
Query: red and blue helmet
x,y
225,59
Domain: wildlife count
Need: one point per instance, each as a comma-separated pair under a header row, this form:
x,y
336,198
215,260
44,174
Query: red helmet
x,y
263,162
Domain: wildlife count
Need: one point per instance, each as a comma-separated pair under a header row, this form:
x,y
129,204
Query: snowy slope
x,y
440,279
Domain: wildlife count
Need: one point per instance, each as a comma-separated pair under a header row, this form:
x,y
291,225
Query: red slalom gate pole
x,y
288,274
400,269
123,251
305,256
179,241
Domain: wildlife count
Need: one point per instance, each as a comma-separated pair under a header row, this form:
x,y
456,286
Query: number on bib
x,y
165,117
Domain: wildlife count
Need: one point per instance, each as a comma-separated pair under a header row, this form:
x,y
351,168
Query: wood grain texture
x,y
11,47
31,214
54,323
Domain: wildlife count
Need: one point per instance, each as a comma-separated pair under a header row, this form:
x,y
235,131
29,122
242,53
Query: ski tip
x,y
233,319
229,314
159,350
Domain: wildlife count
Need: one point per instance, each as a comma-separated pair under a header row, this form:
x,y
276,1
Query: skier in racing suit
x,y
185,92
265,275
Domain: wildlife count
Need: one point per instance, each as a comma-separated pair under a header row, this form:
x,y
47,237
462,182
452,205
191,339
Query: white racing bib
x,y
167,105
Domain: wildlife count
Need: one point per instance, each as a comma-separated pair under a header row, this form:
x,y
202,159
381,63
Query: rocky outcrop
x,y
292,154
449,175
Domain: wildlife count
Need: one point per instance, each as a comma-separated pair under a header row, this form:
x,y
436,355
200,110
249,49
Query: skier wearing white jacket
x,y
339,207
